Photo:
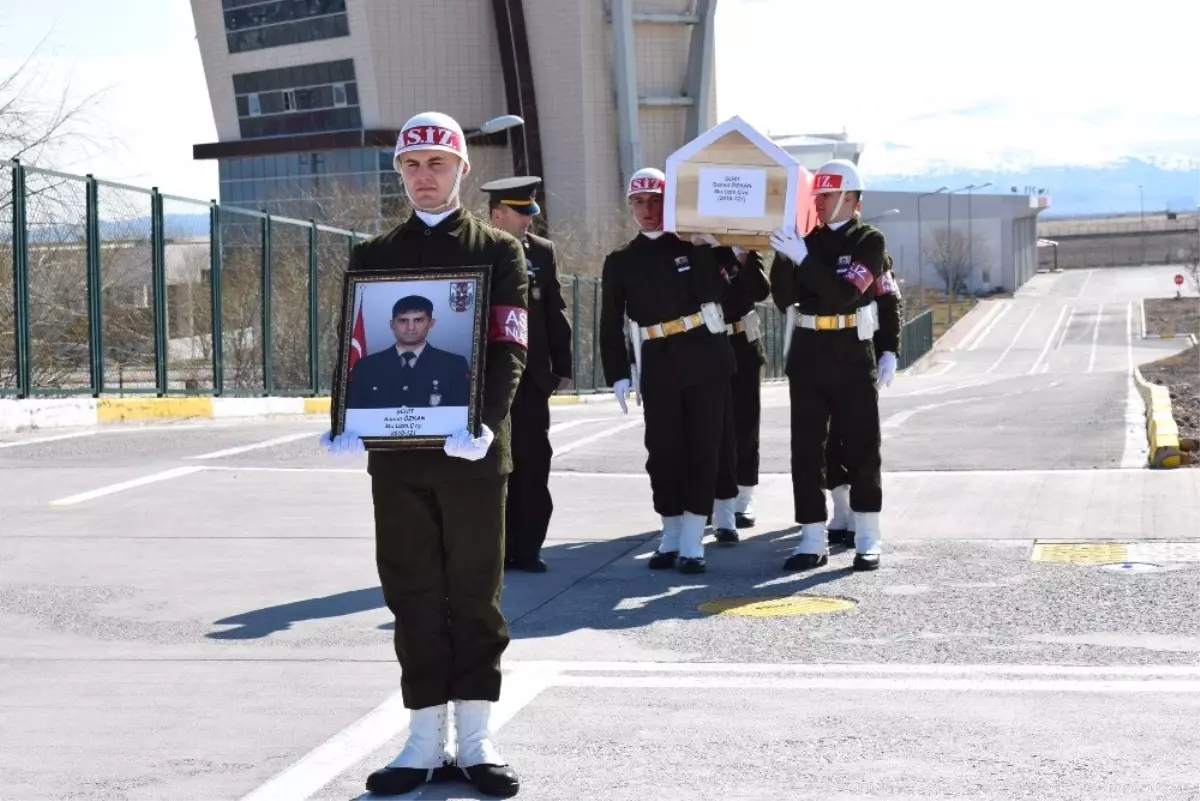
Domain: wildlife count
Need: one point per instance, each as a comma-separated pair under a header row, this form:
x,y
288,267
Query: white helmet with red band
x,y
839,175
647,179
431,130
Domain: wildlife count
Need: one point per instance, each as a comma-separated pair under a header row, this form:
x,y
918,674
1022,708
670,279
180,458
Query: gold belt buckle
x,y
673,327
826,322
739,327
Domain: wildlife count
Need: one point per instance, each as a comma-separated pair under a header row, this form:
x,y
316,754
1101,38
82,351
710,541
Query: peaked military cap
x,y
517,193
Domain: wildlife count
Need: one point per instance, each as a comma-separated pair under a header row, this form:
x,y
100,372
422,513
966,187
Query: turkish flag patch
x,y
857,274
887,285
509,324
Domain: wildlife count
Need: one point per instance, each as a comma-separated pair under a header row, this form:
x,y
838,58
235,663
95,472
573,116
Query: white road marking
x,y
564,425
374,730
154,478
106,431
867,668
270,443
1049,340
1016,337
1095,337
1137,447
630,604
1062,337
978,340
906,684
590,438
1044,471
40,440
946,367
256,469
1085,283
997,308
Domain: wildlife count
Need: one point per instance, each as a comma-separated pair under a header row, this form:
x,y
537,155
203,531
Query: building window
x,y
260,24
310,98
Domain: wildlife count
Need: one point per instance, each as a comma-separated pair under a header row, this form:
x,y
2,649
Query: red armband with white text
x,y
509,324
857,274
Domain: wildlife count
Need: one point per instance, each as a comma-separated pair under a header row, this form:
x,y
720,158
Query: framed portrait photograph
x,y
412,357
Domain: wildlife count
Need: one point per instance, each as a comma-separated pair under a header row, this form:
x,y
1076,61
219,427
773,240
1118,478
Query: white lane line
x,y
939,474
375,730
98,432
270,443
40,440
868,668
564,425
1049,340
995,309
590,438
166,475
897,685
1137,447
1016,337
945,367
258,469
995,320
1085,283
1095,337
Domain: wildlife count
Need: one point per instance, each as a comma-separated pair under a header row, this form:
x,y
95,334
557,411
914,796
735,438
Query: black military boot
x,y
812,550
663,560
745,499
866,541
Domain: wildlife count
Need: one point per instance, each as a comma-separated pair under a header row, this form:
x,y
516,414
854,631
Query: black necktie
x,y
409,357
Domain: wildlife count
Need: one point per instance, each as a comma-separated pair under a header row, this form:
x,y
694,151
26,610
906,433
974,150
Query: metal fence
x,y
119,290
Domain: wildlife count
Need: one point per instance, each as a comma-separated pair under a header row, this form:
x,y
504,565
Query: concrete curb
x,y
1161,431
39,413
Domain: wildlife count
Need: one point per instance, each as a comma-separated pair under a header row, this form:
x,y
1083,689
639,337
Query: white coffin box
x,y
735,183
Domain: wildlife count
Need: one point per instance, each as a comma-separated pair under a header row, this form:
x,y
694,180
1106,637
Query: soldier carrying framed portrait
x,y
413,356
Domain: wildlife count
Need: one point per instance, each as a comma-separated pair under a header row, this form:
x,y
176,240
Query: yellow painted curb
x,y
564,400
1162,433
115,410
316,405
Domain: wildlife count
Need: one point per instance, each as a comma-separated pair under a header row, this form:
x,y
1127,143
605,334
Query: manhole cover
x,y
1080,553
1131,567
777,607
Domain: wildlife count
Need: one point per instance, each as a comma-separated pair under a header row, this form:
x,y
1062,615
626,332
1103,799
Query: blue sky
x,y
925,83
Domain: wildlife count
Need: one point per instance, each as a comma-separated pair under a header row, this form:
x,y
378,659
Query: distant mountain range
x,y
1075,191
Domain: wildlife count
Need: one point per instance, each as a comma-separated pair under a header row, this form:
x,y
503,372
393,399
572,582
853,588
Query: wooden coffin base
x,y
742,239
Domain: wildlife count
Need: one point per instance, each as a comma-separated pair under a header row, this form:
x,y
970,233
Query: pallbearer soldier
x,y
887,346
745,285
512,207
829,275
671,291
439,514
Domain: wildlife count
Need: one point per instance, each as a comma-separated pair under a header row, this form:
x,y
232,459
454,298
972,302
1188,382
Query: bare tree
x,y
37,121
954,257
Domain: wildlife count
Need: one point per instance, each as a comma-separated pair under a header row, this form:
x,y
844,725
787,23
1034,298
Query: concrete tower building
x,y
308,96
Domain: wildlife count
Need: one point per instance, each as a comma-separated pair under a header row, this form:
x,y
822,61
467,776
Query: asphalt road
x,y
190,610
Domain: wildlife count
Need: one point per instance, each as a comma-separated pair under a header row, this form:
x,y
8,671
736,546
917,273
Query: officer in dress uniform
x,y
413,373
745,285
671,291
512,205
887,346
827,281
439,514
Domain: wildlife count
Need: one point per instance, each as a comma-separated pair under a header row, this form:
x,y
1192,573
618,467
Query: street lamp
x,y
920,252
951,277
881,215
496,125
1142,205
970,243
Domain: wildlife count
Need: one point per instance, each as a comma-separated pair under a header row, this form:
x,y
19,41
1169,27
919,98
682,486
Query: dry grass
x,y
945,314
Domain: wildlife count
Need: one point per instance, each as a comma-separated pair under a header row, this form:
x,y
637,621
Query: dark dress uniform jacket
x,y
437,378
837,277
460,240
745,287
549,327
652,281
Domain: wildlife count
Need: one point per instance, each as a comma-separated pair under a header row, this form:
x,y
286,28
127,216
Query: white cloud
x,y
967,84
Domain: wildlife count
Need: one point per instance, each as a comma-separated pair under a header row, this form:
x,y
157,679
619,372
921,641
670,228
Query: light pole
x,y
881,215
951,274
495,125
970,242
1142,205
920,251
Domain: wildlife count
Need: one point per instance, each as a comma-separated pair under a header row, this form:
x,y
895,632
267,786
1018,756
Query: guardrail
x,y
121,290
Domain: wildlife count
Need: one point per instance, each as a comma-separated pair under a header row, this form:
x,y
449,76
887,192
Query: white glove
x,y
463,446
621,391
714,317
785,241
887,368
346,442
705,239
